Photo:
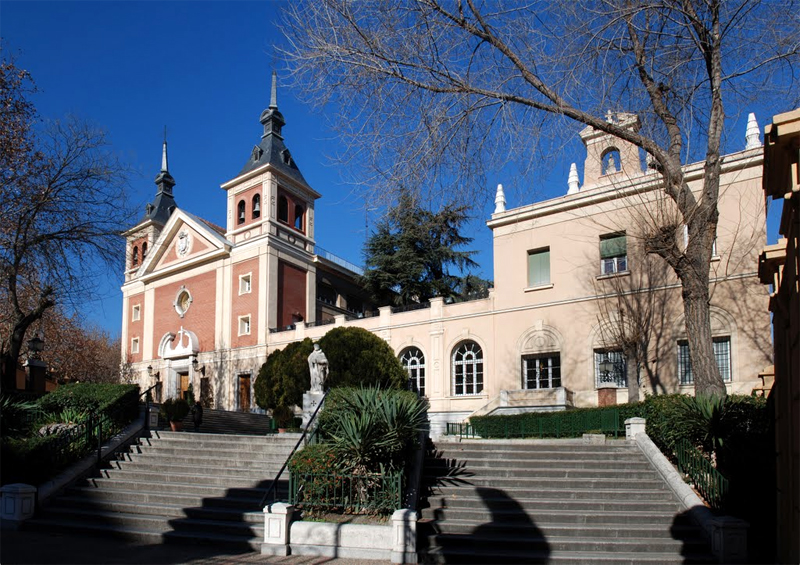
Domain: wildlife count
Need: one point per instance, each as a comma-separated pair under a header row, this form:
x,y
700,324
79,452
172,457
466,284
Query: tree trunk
x,y
632,376
707,380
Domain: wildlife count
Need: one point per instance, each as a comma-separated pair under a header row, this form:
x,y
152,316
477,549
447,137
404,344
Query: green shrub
x,y
284,377
36,459
88,397
17,416
174,409
371,429
358,357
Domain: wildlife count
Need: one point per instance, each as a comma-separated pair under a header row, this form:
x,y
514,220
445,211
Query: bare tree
x,y
62,208
434,91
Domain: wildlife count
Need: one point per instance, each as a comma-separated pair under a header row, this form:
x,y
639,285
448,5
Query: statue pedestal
x,y
310,402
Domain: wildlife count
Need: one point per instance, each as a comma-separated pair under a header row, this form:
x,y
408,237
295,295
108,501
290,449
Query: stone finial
x,y
273,97
573,182
500,200
751,135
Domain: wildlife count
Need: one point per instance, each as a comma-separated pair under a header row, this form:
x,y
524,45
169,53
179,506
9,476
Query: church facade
x,y
574,288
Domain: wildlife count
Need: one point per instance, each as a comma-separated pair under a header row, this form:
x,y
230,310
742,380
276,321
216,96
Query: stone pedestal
x,y
607,394
729,539
35,372
310,402
152,418
634,426
404,536
18,504
277,522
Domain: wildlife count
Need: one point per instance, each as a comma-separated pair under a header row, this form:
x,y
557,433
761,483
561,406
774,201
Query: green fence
x,y
373,493
711,485
533,425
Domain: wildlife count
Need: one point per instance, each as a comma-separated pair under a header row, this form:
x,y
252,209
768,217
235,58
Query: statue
x,y
318,365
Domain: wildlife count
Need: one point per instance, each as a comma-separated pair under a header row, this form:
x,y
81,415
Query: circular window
x,y
182,301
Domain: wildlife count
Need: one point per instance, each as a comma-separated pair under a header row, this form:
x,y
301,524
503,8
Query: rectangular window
x,y
609,367
539,267
541,371
613,253
722,354
137,313
244,325
245,284
135,345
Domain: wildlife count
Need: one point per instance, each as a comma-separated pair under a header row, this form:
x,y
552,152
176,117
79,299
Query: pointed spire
x,y
751,135
500,200
273,98
573,182
164,167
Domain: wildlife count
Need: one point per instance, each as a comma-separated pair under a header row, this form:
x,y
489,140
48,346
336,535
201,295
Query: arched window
x,y
611,162
413,362
144,250
283,208
240,212
298,217
135,260
256,206
467,369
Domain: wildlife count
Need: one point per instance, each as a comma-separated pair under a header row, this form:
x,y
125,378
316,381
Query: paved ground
x,y
63,549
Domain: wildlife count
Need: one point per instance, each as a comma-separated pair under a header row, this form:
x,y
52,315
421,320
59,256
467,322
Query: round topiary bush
x,y
357,357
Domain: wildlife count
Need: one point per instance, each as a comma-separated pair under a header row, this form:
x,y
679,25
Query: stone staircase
x,y
551,501
224,422
178,487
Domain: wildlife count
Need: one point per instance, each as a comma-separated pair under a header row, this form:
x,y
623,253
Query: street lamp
x,y
606,368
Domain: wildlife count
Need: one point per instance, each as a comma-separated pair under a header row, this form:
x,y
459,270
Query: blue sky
x,y
202,69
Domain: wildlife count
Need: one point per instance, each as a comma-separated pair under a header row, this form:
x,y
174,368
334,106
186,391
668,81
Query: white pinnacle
x,y
572,182
164,167
500,200
751,135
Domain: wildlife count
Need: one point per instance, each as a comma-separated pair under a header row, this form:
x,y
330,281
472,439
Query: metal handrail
x,y
299,441
709,482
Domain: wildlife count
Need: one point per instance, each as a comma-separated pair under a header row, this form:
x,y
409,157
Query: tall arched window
x,y
283,208
144,250
467,369
413,362
135,260
240,212
256,206
298,217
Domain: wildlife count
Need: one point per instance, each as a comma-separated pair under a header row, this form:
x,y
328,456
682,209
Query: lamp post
x,y
36,368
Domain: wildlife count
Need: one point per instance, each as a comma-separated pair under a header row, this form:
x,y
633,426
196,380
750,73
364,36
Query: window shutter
x,y
539,268
613,246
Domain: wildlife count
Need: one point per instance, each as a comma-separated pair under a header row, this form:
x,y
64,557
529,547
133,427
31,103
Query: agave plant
x,y
705,420
16,415
371,428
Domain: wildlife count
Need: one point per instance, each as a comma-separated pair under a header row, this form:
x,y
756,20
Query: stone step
x,y
181,452
479,516
147,477
502,556
532,463
524,529
561,484
484,540
159,460
225,439
217,513
533,456
154,537
177,488
500,470
102,495
257,470
591,494
666,505
157,523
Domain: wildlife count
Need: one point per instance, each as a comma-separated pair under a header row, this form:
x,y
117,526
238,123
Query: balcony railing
x,y
338,260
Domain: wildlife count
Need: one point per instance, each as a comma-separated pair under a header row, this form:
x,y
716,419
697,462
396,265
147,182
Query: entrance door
x,y
244,393
184,383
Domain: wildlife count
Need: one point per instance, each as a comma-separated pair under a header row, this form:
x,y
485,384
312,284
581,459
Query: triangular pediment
x,y
184,241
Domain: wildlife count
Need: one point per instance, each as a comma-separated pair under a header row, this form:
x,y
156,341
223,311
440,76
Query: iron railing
x,y
705,478
373,492
272,490
562,424
410,307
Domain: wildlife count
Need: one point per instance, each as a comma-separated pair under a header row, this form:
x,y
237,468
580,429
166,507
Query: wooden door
x,y
244,393
184,383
